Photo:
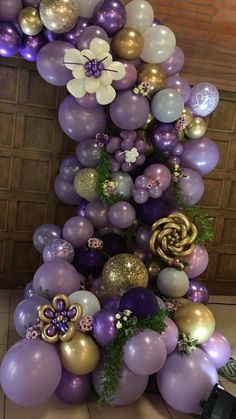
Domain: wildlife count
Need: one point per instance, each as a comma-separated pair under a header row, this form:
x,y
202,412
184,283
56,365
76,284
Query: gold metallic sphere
x,y
179,301
153,268
59,16
196,129
154,75
143,134
127,44
149,121
85,183
29,21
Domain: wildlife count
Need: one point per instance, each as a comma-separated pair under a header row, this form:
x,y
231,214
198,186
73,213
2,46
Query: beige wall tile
x,y
4,301
2,404
4,319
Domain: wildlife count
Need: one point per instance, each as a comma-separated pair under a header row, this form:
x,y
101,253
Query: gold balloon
x,y
196,321
59,16
29,21
122,272
153,268
180,135
127,44
149,121
187,115
80,355
85,183
180,301
154,75
196,129
150,149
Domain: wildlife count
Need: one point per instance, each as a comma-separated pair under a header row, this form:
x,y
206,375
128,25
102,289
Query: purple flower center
x,y
93,68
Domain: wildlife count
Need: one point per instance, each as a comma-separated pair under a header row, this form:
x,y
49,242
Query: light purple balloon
x,y
145,352
65,191
80,123
180,84
201,155
104,327
197,292
30,372
129,111
68,168
58,249
122,214
9,10
26,313
50,63
203,99
45,234
110,15
129,79
131,386
170,336
29,291
89,153
185,381
9,40
57,277
30,47
143,235
97,212
74,389
163,136
218,348
174,63
197,261
89,34
33,3
160,173
87,101
77,230
73,35
192,188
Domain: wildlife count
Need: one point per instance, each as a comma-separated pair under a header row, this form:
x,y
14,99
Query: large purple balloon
x,y
9,10
74,389
163,136
185,381
87,101
45,234
170,336
180,84
26,313
174,63
141,301
110,15
97,213
201,155
73,35
89,34
152,210
9,40
80,123
129,79
30,47
57,277
104,327
89,261
192,188
65,191
203,99
197,292
89,153
129,111
30,372
218,348
196,262
77,230
160,173
68,168
122,214
50,63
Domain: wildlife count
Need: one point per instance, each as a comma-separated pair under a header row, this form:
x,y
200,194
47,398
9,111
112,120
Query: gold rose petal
x,y
78,316
66,337
62,297
49,339
41,312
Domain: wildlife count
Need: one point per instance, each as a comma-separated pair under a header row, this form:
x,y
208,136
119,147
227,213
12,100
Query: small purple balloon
x,y
112,304
152,210
180,84
110,15
129,79
104,327
197,292
50,36
170,336
68,168
141,301
26,313
45,234
122,214
30,47
81,209
201,155
89,153
65,191
77,230
73,35
163,136
9,10
58,249
203,99
9,40
89,261
218,348
87,101
196,262
74,389
174,63
97,213
89,34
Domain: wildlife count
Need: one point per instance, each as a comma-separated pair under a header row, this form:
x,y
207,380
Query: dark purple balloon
x,y
81,209
68,168
152,210
97,288
163,136
156,22
201,155
197,292
129,79
89,261
110,15
73,35
9,40
104,327
89,34
30,47
51,36
65,191
113,244
141,301
33,3
112,304
74,389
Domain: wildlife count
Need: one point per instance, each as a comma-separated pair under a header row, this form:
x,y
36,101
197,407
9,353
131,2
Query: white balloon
x,y
159,44
124,183
87,300
140,15
86,7
172,282
167,105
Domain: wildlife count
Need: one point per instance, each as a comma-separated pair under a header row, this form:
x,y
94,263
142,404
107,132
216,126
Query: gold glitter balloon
x,y
143,134
122,272
29,21
85,183
154,75
127,44
195,320
149,121
196,129
173,237
59,16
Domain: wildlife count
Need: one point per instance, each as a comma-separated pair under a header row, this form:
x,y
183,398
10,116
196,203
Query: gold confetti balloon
x,y
59,16
29,21
122,272
154,75
127,44
196,129
195,320
85,183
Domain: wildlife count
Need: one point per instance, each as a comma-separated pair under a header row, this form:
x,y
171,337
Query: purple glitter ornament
x,y
204,98
58,249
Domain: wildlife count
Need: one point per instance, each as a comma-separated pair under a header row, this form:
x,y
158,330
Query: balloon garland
x,y
121,274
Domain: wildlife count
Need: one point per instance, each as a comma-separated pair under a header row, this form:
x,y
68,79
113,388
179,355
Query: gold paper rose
x,y
173,237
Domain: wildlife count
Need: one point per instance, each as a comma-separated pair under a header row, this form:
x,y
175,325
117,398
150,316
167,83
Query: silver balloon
x,y
124,184
167,105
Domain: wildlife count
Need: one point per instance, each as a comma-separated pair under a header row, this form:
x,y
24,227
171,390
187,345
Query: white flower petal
x,y
72,56
76,88
119,71
91,84
105,95
106,78
78,72
98,45
107,61
87,55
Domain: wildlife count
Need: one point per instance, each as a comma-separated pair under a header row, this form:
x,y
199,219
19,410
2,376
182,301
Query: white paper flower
x,y
131,155
93,70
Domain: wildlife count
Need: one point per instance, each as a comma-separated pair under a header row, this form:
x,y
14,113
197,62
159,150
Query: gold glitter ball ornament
x,y
59,16
173,237
122,272
85,183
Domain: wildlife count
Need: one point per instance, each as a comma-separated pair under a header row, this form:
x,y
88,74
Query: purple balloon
x,y
143,235
97,213
110,15
33,3
45,234
65,191
77,230
26,313
9,40
9,10
89,153
57,277
30,372
141,301
112,304
129,79
89,261
51,36
29,291
87,101
192,188
201,155
203,99
174,63
163,136
74,389
58,249
170,336
156,22
145,352
152,210
82,207
80,123
122,214
89,34
104,327
50,63
129,111
73,35
218,348
113,244
185,381
180,84
97,288
197,292
68,168
30,47
159,173
197,261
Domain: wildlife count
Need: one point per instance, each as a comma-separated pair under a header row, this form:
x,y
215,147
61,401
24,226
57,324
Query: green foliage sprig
x,y
104,175
186,345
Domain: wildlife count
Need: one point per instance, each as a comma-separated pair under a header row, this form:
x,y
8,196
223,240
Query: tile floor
x,y
150,406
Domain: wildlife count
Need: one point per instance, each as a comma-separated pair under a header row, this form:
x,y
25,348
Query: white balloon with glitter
x,y
204,98
58,249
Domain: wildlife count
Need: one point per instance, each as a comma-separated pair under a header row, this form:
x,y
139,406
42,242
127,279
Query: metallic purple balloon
x,y
174,63
45,234
152,210
73,35
69,167
129,79
201,155
30,47
58,249
180,84
112,304
9,10
197,292
89,261
65,191
122,214
74,389
82,207
110,15
26,313
203,99
77,230
87,101
9,40
141,301
197,261
163,136
104,327
51,36
218,348
89,34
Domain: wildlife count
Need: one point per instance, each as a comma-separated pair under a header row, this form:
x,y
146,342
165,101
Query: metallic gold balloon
x,y
80,355
150,149
196,321
153,268
127,44
125,2
59,16
149,121
85,183
154,75
180,301
29,21
196,129
181,135
122,272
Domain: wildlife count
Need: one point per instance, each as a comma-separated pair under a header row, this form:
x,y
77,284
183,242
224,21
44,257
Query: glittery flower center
x,y
94,68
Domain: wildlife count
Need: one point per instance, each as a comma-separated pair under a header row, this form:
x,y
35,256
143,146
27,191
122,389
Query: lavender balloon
x,y
218,348
9,10
68,168
30,47
74,389
58,249
197,292
170,336
174,63
181,85
159,173
201,155
77,230
73,35
87,101
9,40
104,327
196,262
45,234
29,291
26,313
65,191
97,213
203,99
163,136
110,15
89,153
89,34
122,214
89,261
129,79
192,188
